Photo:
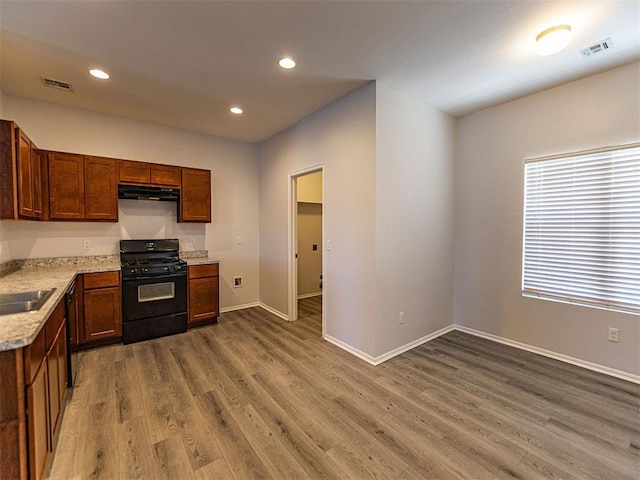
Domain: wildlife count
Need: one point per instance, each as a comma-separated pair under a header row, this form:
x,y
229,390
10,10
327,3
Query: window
x,y
582,228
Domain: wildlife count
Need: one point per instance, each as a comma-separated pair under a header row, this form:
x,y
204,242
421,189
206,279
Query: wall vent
x,y
57,84
599,47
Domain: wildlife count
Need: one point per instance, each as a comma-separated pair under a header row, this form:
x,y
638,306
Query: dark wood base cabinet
x,y
102,308
203,295
34,384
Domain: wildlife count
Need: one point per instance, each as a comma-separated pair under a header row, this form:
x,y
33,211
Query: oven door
x,y
157,296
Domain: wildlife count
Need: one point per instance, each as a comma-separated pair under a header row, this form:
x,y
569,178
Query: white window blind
x,y
582,228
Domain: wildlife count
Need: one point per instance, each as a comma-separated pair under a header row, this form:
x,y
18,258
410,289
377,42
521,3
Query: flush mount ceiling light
x,y
553,39
287,63
99,74
236,110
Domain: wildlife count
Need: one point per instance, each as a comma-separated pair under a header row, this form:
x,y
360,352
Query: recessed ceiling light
x,y
287,63
99,74
553,39
236,110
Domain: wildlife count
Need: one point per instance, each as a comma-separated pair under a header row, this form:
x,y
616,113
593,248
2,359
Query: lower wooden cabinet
x,y
203,294
102,306
45,379
38,422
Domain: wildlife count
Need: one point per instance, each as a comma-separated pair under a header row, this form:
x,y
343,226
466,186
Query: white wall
x,y
234,178
5,251
492,144
342,138
2,100
414,219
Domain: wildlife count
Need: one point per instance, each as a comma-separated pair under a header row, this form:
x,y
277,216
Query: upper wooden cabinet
x,y
20,174
66,186
82,187
148,173
100,189
195,196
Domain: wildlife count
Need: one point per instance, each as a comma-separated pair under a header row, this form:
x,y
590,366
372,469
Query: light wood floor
x,y
256,397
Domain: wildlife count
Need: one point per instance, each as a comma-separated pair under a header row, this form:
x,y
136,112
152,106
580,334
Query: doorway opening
x,y
306,259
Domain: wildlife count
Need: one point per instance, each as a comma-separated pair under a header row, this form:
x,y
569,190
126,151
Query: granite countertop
x,y
200,261
20,329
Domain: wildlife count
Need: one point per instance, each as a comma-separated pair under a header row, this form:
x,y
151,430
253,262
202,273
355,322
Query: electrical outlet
x,y
401,318
613,334
192,242
237,282
86,244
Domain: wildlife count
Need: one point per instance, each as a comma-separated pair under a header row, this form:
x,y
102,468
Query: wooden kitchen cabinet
x,y
38,422
45,378
82,187
102,307
101,190
20,175
203,294
148,173
195,196
66,186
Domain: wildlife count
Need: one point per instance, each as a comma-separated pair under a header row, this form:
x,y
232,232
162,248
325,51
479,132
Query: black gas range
x,y
154,289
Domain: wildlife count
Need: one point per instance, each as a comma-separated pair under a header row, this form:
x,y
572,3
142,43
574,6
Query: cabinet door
x,y
165,175
203,299
195,196
134,172
102,313
25,176
101,192
66,186
38,423
53,372
57,364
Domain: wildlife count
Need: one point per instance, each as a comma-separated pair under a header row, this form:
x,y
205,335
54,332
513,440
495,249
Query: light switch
x,y
328,245
239,240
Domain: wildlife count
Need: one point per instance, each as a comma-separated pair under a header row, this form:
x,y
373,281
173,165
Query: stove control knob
x,y
178,267
145,270
133,271
166,269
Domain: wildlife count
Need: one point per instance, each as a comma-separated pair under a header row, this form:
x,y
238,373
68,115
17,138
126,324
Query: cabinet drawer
x,y
101,280
200,271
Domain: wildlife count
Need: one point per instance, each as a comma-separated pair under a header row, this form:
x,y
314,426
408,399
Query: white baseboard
x,y
352,350
309,295
548,353
411,345
393,353
277,313
239,307
416,343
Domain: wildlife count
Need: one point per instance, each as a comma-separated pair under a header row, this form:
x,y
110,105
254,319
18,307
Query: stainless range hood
x,y
144,192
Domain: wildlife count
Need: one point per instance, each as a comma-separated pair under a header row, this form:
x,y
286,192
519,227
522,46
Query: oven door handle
x,y
153,277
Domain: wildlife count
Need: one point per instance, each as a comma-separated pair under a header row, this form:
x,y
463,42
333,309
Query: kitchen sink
x,y
21,302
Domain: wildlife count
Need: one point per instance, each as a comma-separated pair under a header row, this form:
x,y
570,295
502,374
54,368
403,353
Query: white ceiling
x,y
184,63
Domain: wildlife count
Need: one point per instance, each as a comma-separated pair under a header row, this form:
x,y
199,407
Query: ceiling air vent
x,y
57,84
599,47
